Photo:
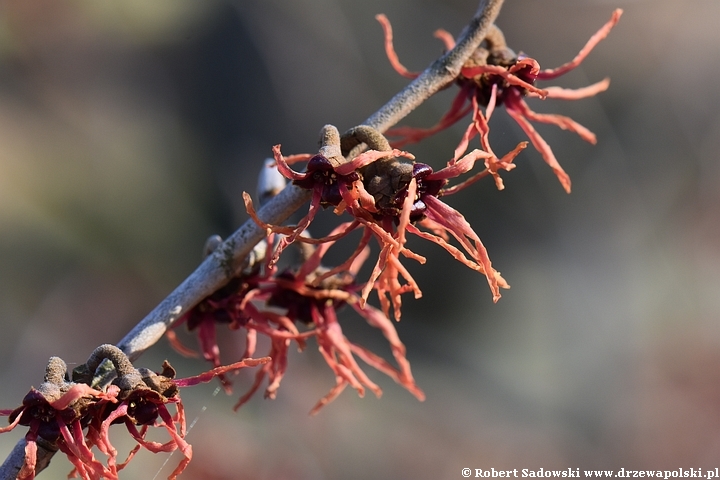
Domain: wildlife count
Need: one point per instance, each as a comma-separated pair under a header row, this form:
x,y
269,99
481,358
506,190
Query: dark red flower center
x,y
321,175
425,187
142,411
483,84
299,307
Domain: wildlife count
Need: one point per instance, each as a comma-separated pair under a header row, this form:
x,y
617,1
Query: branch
x,y
222,265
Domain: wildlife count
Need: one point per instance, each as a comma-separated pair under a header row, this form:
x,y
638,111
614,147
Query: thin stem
x,y
230,256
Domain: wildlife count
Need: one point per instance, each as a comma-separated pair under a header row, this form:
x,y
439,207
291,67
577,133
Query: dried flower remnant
x,y
496,76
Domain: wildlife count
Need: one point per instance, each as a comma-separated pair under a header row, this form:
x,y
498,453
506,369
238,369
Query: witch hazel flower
x,y
235,306
313,295
227,306
141,401
60,410
494,76
56,413
329,176
296,305
143,398
388,195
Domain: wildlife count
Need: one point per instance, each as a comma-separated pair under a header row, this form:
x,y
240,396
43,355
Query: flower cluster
x,y
294,305
72,416
387,195
494,76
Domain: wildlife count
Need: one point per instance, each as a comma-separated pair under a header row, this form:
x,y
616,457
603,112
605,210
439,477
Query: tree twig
x,y
228,258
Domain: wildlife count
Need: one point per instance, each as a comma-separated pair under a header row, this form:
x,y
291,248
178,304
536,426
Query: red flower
x,y
226,306
235,305
313,295
59,410
495,76
310,296
387,193
143,398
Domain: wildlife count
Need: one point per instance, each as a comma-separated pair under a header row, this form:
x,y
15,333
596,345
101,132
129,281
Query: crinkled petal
x,y
259,377
353,263
470,72
382,365
390,49
594,40
249,207
457,110
278,366
331,395
76,392
184,447
283,166
403,374
578,93
12,425
178,346
368,157
464,165
566,123
446,37
541,146
27,472
209,375
463,233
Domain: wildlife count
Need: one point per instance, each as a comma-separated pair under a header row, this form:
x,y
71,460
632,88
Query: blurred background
x,y
129,130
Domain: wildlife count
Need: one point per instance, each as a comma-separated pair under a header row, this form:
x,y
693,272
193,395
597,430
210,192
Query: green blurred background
x,y
129,129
